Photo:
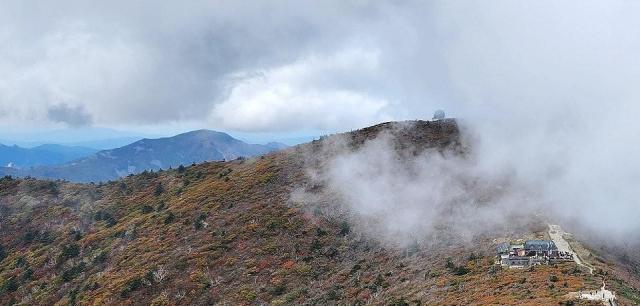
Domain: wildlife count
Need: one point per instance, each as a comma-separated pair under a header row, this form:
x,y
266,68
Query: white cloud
x,y
318,91
71,66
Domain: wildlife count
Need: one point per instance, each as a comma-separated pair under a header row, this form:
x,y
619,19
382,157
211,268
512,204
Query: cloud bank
x,y
73,116
305,94
497,187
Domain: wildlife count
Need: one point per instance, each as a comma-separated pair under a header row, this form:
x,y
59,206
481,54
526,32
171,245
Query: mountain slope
x,y
152,154
232,233
49,154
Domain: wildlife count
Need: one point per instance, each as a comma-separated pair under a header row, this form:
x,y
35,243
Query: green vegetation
x,y
8,285
73,272
626,291
456,270
69,251
3,253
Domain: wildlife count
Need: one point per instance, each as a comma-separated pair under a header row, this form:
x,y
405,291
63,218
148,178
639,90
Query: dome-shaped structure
x,y
438,115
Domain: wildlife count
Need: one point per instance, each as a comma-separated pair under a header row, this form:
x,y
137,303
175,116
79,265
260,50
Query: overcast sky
x,y
292,66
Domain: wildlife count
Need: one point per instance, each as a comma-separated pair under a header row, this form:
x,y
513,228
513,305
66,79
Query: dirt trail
x,y
607,297
557,235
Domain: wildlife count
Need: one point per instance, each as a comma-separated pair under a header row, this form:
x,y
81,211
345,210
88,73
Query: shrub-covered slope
x,y
228,233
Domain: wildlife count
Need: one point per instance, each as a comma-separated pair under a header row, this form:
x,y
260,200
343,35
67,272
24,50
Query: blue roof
x,y
503,247
540,245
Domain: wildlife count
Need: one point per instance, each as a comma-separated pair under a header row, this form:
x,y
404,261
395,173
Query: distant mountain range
x,y
148,154
49,154
90,137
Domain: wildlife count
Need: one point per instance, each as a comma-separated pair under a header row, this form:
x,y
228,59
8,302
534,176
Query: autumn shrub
x,y
380,282
105,216
73,272
47,187
145,209
320,232
159,190
73,296
9,285
456,270
316,245
100,257
181,264
69,251
224,172
77,235
27,274
278,289
29,236
303,269
461,270
247,294
398,302
162,299
169,217
449,264
198,224
133,284
345,228
20,262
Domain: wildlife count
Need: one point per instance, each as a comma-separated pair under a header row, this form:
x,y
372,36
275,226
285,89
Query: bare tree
x,y
160,274
180,295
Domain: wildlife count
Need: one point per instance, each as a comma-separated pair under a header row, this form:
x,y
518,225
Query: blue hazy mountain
x,y
150,154
48,154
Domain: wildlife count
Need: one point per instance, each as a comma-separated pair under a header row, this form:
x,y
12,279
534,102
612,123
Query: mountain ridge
x,y
231,232
46,154
149,154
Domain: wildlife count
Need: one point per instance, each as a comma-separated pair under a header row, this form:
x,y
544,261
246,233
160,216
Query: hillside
x,y
235,233
149,154
18,157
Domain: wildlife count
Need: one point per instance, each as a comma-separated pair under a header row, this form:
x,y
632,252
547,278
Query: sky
x,y
268,67
296,67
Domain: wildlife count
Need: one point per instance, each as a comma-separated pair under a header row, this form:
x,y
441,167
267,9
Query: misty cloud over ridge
x,y
400,198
